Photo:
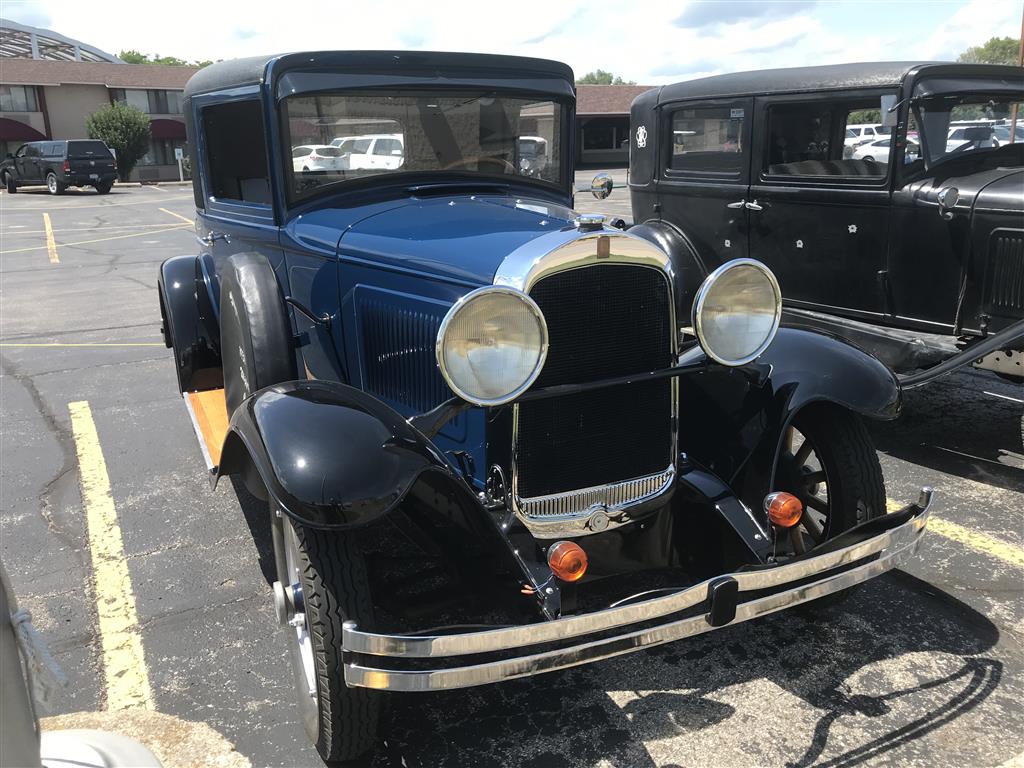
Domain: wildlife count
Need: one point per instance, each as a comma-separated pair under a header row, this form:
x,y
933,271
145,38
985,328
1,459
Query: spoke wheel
x,y
828,462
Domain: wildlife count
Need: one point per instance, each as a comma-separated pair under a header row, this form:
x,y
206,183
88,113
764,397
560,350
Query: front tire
x,y
330,570
11,185
831,465
54,185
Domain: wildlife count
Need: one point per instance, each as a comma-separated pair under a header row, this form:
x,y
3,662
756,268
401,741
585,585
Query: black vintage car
x,y
59,165
497,438
909,244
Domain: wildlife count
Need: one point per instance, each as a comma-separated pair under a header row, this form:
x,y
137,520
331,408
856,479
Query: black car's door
x,y
26,162
704,174
818,220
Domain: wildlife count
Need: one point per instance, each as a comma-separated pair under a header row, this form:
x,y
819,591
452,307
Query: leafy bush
x,y
125,129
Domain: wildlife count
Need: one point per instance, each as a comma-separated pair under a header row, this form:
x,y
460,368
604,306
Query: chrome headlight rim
x,y
705,290
454,311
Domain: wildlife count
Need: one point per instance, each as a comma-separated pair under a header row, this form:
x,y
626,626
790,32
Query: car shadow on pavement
x,y
257,517
975,438
607,713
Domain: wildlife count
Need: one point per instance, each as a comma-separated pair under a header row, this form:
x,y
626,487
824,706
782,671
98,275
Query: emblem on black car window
x,y
641,136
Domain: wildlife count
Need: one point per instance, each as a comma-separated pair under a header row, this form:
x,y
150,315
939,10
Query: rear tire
x,y
54,185
342,722
104,188
255,333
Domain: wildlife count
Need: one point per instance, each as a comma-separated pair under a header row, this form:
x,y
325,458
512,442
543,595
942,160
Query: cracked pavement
x,y
922,667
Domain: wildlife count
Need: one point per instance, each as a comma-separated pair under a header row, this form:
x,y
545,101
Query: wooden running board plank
x,y
209,415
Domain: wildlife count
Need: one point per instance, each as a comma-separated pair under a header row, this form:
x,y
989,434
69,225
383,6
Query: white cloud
x,y
639,42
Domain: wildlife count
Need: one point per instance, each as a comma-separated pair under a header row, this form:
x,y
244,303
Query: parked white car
x,y
372,151
878,151
979,136
862,134
316,157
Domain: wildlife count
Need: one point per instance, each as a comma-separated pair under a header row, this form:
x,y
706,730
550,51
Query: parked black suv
x,y
59,165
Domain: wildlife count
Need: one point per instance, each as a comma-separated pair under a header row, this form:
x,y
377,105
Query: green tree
x,y
600,77
134,57
864,117
123,128
998,50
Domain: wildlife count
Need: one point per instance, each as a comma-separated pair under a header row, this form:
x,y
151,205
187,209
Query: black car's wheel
x,y
255,334
9,182
325,577
105,187
54,185
869,158
831,465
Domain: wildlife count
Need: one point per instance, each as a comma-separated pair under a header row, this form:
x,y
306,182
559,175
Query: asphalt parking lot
x,y
921,667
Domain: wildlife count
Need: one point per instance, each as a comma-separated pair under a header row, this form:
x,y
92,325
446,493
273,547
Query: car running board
x,y
209,414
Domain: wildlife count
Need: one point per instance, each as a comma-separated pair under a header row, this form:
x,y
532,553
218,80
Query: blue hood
x,y
454,237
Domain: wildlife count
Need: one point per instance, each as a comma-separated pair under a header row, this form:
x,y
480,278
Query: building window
x,y
18,98
152,101
161,152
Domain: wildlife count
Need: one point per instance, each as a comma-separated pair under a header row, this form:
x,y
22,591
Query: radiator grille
x,y
603,321
1006,272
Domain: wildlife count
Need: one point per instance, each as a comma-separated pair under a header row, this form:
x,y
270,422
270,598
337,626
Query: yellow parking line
x,y
168,228
51,246
177,216
980,542
85,344
18,232
124,663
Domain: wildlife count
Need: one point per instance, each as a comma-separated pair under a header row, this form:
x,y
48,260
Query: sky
x,y
647,41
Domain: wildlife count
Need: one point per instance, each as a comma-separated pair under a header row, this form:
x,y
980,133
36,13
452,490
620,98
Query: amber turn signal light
x,y
784,509
567,560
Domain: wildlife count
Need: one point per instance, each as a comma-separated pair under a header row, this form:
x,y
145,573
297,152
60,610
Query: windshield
x,y
957,124
393,132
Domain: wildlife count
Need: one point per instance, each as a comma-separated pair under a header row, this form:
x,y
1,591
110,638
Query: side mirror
x,y
948,197
602,186
888,108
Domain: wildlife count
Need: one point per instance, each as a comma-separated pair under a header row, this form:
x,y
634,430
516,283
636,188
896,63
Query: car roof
x,y
252,70
823,78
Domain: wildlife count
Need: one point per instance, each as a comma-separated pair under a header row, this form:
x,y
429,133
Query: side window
x,y
32,150
708,139
236,157
387,147
810,140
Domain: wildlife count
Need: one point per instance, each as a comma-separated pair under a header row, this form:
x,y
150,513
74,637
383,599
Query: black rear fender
x,y
189,324
734,420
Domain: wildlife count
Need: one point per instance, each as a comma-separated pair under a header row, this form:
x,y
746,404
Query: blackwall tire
x,y
342,722
848,468
255,334
104,188
53,185
9,183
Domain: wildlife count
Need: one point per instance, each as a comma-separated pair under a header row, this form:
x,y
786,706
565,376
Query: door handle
x,y
753,206
737,204
211,237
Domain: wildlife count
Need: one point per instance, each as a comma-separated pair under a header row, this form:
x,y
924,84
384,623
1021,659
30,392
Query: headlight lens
x,y
737,311
492,345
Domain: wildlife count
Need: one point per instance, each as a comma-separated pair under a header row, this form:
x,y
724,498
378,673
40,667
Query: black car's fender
x,y
734,420
687,265
189,324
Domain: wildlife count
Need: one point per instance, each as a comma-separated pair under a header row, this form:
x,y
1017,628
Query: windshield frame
x,y
409,179
925,132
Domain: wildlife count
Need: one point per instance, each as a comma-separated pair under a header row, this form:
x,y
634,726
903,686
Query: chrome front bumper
x,y
832,567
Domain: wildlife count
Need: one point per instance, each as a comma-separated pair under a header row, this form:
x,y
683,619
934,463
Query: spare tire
x,y
255,333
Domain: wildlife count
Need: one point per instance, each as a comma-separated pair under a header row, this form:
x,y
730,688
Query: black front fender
x,y
332,456
734,420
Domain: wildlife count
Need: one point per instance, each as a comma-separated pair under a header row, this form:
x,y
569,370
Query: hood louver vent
x,y
1005,289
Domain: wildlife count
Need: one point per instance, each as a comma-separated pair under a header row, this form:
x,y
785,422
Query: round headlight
x,y
491,345
737,311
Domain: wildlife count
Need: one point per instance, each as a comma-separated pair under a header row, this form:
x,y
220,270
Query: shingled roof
x,y
42,72
606,99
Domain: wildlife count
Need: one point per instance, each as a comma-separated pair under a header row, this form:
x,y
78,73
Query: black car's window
x,y
420,131
961,123
810,140
32,150
236,156
708,139
87,150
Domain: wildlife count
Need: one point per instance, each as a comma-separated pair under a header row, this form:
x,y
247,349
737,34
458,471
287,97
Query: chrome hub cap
x,y
290,608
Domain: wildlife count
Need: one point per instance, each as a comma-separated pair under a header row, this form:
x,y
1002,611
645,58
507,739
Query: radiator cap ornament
x,y
589,222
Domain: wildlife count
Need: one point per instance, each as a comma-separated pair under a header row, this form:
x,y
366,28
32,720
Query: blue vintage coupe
x,y
497,438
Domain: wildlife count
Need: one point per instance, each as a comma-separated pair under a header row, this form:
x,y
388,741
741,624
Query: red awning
x,y
162,128
14,130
